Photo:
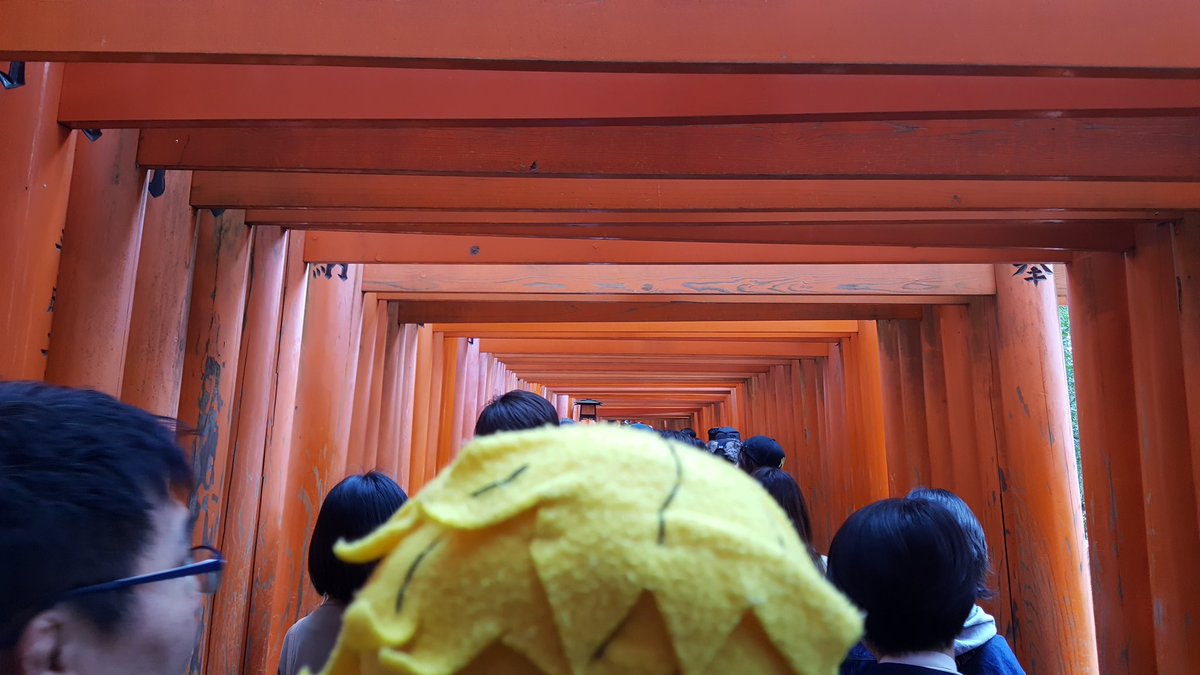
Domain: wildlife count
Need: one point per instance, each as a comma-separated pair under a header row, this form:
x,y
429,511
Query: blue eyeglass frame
x,y
216,564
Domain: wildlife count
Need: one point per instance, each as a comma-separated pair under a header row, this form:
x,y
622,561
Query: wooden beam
x,y
503,347
748,327
712,298
384,219
706,280
1073,235
316,190
990,36
379,247
1156,148
114,95
469,310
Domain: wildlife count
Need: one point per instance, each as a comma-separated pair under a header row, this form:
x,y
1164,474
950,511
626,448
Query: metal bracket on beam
x,y
92,135
15,77
158,183
217,212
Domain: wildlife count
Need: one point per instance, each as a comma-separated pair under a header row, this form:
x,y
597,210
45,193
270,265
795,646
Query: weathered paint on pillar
x,y
99,263
272,605
969,367
937,414
210,374
356,460
320,427
1112,472
407,398
1185,244
1160,391
161,298
1054,628
389,462
255,394
423,397
870,470
388,442
36,159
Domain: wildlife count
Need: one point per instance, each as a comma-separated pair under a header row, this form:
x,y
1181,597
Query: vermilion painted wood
x,y
423,400
1185,244
35,180
1035,239
1051,601
937,412
893,408
990,442
1160,391
1112,472
384,219
93,296
781,35
968,361
273,607
255,189
501,347
254,395
446,310
320,431
782,281
161,295
450,405
408,395
208,391
112,95
916,426
386,439
354,247
1142,148
434,413
356,460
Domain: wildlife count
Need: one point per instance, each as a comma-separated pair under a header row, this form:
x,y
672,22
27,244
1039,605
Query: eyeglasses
x,y
206,564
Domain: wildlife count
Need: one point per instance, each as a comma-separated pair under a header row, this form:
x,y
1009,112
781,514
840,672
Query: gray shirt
x,y
310,642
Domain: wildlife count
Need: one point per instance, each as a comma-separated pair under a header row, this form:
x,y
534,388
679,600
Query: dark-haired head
x,y
351,510
786,492
86,485
970,527
688,431
681,437
514,411
907,564
759,451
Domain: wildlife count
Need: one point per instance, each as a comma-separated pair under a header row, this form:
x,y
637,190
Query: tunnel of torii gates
x,y
322,236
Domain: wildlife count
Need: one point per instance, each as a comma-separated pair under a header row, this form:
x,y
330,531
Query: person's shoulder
x,y
993,657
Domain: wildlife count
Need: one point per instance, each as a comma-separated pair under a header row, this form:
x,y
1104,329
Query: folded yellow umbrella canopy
x,y
590,549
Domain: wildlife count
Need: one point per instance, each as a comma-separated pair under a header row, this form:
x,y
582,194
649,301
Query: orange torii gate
x,y
838,233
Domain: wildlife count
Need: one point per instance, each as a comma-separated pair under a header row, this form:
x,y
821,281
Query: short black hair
x,y
907,564
970,527
514,411
351,510
688,431
786,492
682,437
80,475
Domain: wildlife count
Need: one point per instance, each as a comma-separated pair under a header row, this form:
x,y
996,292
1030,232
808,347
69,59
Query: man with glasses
x,y
97,570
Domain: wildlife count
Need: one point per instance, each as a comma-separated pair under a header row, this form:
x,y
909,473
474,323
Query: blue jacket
x,y
978,649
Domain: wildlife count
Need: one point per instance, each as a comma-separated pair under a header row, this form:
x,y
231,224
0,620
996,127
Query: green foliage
x,y
1064,325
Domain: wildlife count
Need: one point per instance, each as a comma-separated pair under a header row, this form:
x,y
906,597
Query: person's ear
x,y
39,651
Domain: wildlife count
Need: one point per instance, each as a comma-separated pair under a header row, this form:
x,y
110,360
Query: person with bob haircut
x,y
908,565
786,492
351,511
96,555
978,648
515,411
